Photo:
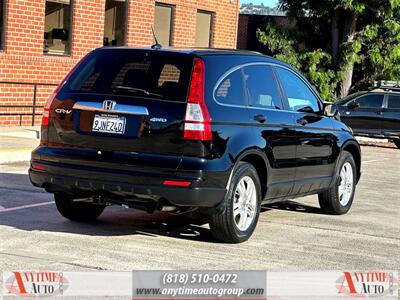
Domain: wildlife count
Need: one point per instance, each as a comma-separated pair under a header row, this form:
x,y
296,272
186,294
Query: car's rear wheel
x,y
236,222
339,198
397,143
77,210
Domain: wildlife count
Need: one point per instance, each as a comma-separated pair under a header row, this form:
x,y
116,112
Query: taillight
x,y
197,120
46,110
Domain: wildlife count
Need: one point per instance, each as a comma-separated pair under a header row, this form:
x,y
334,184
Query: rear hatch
x,y
123,101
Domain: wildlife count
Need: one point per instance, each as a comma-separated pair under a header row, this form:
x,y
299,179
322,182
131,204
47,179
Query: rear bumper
x,y
207,188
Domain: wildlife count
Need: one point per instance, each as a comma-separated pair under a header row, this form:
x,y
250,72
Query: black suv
x,y
373,113
219,130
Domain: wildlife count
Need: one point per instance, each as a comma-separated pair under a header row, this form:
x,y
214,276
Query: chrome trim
x,y
118,109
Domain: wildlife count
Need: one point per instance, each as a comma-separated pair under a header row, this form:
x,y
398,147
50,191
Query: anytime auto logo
x,y
35,284
367,284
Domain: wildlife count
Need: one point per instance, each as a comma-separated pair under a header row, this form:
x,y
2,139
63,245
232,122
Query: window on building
x,y
163,23
57,28
204,29
2,22
115,23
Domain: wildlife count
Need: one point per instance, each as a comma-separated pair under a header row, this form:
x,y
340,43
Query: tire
x,y
236,222
338,199
397,143
77,211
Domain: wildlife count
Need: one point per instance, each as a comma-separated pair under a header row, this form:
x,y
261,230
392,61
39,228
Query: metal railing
x,y
33,106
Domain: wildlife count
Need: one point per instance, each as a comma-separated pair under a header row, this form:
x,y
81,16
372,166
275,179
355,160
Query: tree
x,y
334,41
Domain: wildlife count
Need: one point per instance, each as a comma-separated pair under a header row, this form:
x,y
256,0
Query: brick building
x,y
41,40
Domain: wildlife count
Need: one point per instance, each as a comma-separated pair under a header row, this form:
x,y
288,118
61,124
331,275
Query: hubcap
x,y
244,203
345,187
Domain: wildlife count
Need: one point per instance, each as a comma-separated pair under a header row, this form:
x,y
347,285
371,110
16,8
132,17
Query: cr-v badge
x,y
63,111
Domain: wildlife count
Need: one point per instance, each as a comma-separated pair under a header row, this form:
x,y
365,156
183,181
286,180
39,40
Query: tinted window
x,y
373,101
261,87
230,90
297,92
145,74
394,102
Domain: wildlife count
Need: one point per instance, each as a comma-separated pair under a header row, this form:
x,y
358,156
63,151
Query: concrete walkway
x,y
17,143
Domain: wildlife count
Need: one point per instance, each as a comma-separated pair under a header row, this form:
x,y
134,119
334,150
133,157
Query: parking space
x,y
289,236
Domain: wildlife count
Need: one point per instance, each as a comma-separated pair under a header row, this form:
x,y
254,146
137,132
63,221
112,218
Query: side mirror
x,y
331,110
353,105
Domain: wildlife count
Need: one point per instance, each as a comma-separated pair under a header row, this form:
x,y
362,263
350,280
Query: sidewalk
x,y
17,143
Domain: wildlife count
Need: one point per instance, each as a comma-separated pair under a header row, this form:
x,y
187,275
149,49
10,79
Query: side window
x,y
394,102
370,101
297,92
261,87
230,90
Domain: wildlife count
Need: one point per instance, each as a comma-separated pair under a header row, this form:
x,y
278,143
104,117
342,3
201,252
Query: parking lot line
x,y
2,209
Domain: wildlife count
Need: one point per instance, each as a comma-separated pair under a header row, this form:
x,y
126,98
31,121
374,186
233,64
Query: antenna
x,y
156,45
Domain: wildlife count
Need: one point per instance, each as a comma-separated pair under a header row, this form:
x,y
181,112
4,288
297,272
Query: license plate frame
x,y
111,124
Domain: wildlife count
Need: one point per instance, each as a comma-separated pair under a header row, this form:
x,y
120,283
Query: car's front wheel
x,y
77,210
236,222
339,198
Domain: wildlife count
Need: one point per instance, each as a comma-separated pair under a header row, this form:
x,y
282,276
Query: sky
x,y
270,3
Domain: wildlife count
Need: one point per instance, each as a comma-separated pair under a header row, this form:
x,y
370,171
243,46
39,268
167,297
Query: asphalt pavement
x,y
289,236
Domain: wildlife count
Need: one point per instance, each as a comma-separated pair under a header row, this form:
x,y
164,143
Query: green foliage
x,y
313,64
371,46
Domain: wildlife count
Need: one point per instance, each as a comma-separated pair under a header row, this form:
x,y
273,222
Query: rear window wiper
x,y
136,90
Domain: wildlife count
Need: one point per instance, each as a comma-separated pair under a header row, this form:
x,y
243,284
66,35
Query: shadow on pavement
x,y
115,221
292,206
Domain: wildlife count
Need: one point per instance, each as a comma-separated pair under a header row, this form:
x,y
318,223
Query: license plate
x,y
109,124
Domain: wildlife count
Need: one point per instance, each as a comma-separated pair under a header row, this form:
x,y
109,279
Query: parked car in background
x,y
374,113
222,131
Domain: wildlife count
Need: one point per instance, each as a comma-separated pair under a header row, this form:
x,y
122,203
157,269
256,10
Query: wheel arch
x,y
354,149
259,161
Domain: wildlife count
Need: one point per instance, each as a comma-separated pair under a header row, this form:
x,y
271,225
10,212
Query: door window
x,y
230,90
394,102
370,101
298,94
261,87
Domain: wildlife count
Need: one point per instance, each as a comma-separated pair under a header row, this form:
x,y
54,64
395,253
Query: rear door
x,y
367,118
124,101
391,116
273,125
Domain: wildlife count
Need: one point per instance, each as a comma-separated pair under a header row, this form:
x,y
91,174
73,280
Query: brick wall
x,y
23,61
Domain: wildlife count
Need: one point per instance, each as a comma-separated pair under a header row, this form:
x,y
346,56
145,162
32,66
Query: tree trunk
x,y
335,37
348,36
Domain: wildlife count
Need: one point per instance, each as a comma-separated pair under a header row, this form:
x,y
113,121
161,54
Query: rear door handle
x,y
260,118
302,121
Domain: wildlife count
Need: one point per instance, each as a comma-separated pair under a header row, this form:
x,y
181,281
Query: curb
x,y
15,155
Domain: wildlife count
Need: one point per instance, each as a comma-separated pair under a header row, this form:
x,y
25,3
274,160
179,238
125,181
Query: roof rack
x,y
387,85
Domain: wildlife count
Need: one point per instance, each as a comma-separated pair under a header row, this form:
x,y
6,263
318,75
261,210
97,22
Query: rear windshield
x,y
139,73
